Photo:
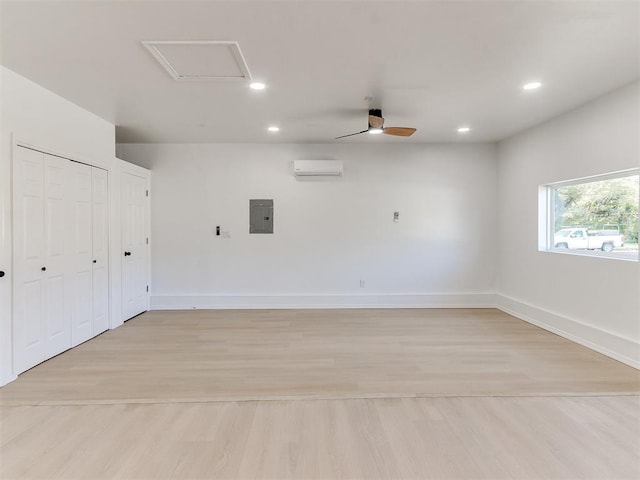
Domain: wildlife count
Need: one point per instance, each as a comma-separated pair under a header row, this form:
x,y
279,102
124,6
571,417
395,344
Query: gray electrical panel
x,y
260,216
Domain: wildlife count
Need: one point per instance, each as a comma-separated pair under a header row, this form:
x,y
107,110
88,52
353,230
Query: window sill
x,y
624,255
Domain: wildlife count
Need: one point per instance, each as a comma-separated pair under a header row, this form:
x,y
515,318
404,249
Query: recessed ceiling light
x,y
531,86
273,128
257,85
375,131
464,129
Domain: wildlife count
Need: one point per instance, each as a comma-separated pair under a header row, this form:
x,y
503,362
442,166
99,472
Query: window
x,y
593,216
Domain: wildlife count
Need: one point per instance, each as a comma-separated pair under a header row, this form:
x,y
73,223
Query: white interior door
x,y
57,304
80,244
134,245
42,319
100,261
6,272
29,259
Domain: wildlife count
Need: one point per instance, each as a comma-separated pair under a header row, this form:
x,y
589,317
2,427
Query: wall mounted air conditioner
x,y
306,168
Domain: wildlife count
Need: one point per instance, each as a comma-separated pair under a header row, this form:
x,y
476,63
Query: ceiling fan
x,y
376,125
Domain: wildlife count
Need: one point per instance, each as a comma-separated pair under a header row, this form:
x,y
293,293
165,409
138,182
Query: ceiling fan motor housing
x,y
376,121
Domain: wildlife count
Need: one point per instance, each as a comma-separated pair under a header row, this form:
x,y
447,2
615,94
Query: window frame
x,y
546,214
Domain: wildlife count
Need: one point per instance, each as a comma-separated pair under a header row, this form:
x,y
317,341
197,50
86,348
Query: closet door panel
x,y
29,258
32,238
56,319
31,325
100,241
81,246
57,289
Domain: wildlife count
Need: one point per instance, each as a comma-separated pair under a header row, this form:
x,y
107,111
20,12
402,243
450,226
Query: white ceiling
x,y
430,65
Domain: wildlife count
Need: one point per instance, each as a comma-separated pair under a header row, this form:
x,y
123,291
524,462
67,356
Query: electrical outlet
x,y
361,283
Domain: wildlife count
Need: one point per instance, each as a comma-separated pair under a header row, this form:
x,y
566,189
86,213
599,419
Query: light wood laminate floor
x,y
410,438
364,394
205,355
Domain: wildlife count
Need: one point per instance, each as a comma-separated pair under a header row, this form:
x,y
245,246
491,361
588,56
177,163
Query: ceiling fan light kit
x,y
376,125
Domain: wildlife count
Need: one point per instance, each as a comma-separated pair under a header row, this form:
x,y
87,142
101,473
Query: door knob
x,y
95,261
126,254
1,274
44,269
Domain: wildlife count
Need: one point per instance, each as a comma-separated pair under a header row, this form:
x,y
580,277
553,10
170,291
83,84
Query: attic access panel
x,y
207,60
260,216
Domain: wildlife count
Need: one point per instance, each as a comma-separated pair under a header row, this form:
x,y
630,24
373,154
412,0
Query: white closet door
x,y
60,257
29,258
100,214
57,304
134,264
80,243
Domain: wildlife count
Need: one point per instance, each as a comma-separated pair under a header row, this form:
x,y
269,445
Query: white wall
x,y
329,233
35,116
595,301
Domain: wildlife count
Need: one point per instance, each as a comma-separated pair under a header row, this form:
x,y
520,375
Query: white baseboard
x,y
456,300
610,344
